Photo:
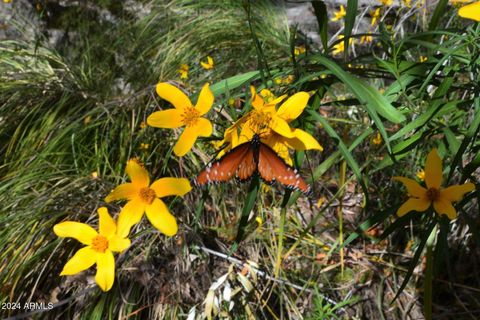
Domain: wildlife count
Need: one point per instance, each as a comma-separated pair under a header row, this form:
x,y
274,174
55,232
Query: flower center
x,y
433,194
190,116
100,243
147,195
260,122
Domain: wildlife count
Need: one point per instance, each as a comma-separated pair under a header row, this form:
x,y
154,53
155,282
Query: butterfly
x,y
250,158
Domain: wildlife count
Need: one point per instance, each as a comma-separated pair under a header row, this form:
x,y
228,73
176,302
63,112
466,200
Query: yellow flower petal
x,y
246,134
79,231
205,100
257,101
443,206
456,192
130,215
293,107
202,128
123,191
171,187
433,170
411,204
413,188
471,11
281,127
81,260
302,140
106,224
138,174
161,218
167,119
173,95
118,244
105,270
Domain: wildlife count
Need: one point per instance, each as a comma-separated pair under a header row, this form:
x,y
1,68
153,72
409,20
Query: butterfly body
x,y
248,159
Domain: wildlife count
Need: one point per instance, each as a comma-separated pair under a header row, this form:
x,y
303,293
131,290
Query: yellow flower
x,y
386,2
375,16
299,50
272,125
278,80
143,125
422,59
288,79
7,1
441,198
99,247
366,39
407,3
183,71
340,47
377,140
144,146
183,115
421,175
471,11
145,198
94,175
340,13
207,65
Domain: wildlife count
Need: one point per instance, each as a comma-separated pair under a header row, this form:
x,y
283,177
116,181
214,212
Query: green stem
x,y
427,284
249,203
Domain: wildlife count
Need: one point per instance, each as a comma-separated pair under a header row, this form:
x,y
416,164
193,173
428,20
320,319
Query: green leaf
x,y
437,14
343,149
320,10
233,82
373,100
349,22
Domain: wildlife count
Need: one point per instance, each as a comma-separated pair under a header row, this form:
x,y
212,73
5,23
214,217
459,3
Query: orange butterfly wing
x,y
237,162
272,168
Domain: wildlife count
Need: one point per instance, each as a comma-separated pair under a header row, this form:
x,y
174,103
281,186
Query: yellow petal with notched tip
x,y
173,95
161,218
433,170
171,187
77,230
413,204
81,260
105,270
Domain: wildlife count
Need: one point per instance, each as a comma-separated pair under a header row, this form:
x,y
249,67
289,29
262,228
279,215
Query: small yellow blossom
x,y
99,247
144,146
375,16
183,71
207,65
299,50
378,139
143,125
421,175
441,198
144,197
94,175
267,95
184,115
7,1
231,102
407,3
471,11
386,2
366,39
340,47
278,80
339,14
288,79
87,120
259,221
423,59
